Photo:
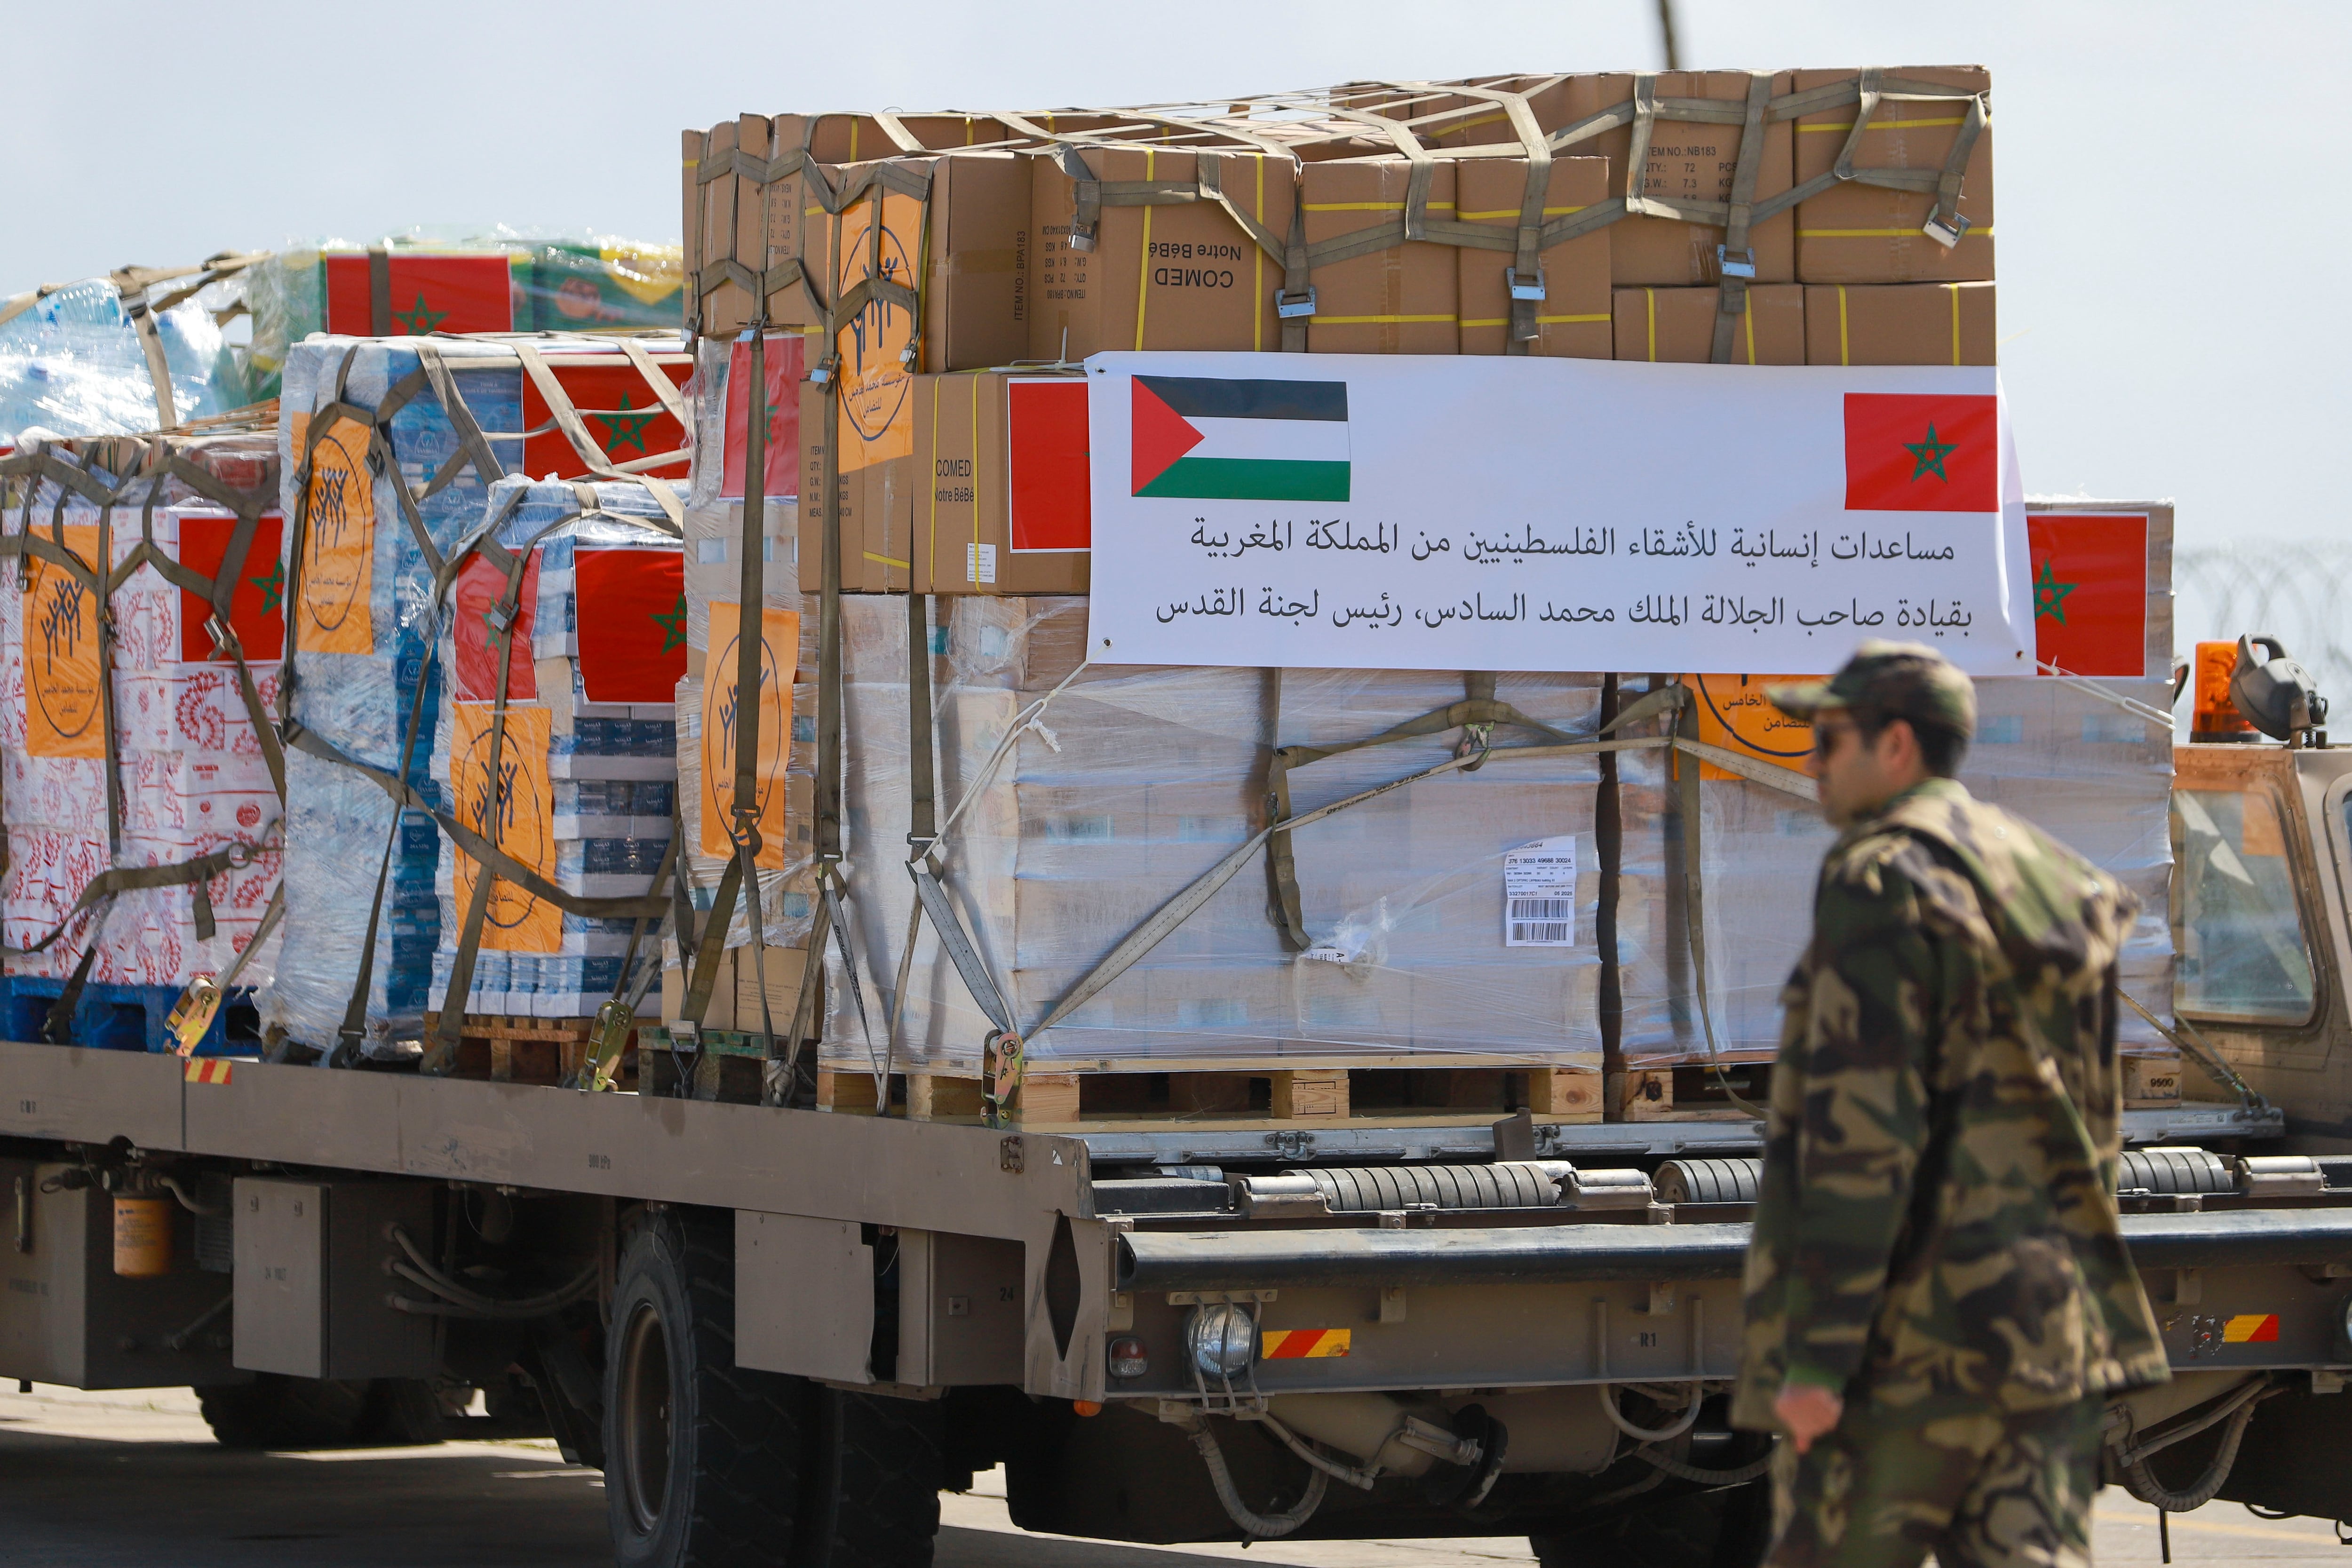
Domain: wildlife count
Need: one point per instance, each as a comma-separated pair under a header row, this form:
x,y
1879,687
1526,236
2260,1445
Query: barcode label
x,y
1539,894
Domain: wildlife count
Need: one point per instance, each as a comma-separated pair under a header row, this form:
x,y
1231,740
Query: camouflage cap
x,y
1895,681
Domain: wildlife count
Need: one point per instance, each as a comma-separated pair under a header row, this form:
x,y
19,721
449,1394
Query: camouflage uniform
x,y
1935,1237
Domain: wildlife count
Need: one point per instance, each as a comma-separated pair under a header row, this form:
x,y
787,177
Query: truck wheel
x,y
702,1459
875,1473
279,1411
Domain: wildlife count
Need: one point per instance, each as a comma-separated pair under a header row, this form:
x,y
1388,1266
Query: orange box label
x,y
877,383
780,641
1734,713
338,556
63,706
517,817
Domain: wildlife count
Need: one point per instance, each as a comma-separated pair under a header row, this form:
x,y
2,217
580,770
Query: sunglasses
x,y
1826,736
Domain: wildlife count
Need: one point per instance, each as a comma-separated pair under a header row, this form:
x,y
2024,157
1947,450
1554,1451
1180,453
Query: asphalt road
x,y
133,1479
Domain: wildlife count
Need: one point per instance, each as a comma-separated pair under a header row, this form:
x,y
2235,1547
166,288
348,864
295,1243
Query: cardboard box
x,y
1688,160
1178,276
1676,326
967,240
877,503
1899,323
970,258
1005,507
735,997
731,215
1857,233
1573,318
1404,298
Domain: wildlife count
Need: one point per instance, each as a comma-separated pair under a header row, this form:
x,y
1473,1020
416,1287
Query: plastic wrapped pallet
x,y
190,775
1133,782
362,599
590,744
71,363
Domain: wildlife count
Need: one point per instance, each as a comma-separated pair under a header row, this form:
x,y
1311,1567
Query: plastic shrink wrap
x,y
190,775
361,595
1115,794
592,763
71,363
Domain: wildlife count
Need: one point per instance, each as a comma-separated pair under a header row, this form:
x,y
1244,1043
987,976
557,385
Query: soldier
x,y
1938,1299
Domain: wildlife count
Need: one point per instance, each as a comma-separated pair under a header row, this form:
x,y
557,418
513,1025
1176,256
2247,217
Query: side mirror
x,y
2276,695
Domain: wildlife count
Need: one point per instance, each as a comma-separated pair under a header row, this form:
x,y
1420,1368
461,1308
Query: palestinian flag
x,y
1209,438
2090,592
1909,452
256,609
632,620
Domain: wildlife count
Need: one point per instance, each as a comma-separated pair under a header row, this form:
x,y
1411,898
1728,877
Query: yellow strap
x,y
1650,298
1955,320
1510,215
931,534
1257,317
1748,316
1546,321
1384,207
886,561
1143,255
1377,321
1845,353
1878,124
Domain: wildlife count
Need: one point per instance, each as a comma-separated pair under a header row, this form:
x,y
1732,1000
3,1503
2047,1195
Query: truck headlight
x,y
1222,1338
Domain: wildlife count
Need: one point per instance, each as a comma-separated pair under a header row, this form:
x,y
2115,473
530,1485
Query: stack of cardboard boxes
x,y
1589,215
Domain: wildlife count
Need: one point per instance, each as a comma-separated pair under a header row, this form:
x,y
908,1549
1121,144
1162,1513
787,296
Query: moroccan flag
x,y
2090,592
1045,440
1907,452
632,619
1204,439
623,415
784,359
257,612
479,589
429,294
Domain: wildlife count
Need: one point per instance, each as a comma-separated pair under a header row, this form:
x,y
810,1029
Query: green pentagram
x,y
624,429
273,587
421,320
2050,595
1927,456
673,626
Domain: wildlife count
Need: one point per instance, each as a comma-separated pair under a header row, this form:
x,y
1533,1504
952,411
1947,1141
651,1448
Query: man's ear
x,y
1898,745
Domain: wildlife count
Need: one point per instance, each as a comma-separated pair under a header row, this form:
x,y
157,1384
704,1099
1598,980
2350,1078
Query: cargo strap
x,y
1693,814
1478,709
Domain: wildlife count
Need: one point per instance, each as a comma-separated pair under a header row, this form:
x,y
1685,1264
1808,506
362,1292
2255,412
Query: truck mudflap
x,y
1152,1260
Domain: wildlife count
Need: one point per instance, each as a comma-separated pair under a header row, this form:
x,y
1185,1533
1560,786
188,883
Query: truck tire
x,y
703,1461
873,1472
277,1411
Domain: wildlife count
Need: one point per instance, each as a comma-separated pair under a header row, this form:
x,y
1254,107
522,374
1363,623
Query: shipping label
x,y
780,636
338,578
1539,894
518,817
63,706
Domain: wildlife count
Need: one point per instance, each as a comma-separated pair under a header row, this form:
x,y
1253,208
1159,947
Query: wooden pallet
x,y
1681,1091
506,1049
1274,1093
2151,1080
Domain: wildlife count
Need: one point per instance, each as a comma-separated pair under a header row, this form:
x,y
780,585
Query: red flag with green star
x,y
474,599
429,294
632,621
257,612
622,413
1909,452
2090,592
784,354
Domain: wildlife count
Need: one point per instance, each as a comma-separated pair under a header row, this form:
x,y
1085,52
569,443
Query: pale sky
x,y
2174,240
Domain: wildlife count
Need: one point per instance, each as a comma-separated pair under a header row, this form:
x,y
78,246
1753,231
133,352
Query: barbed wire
x,y
2294,590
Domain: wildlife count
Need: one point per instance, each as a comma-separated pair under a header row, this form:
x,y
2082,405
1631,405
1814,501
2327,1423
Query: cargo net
x,y
142,788
403,515
1314,180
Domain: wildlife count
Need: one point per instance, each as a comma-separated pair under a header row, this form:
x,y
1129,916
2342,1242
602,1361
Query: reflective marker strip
x,y
1303,1344
2251,1328
212,1069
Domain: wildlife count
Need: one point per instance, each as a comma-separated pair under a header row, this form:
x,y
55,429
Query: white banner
x,y
1412,512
